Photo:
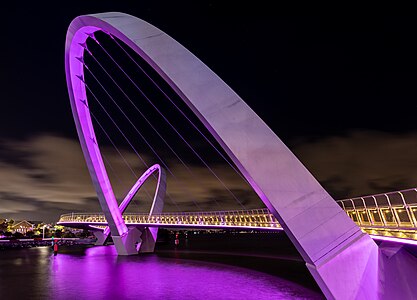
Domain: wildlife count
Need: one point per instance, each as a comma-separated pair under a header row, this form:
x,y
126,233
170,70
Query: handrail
x,y
379,216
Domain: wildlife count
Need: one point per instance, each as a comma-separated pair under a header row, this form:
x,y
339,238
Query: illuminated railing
x,y
235,218
389,214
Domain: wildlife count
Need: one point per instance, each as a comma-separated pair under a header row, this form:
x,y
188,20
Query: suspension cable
x,y
173,128
98,81
131,123
179,109
138,110
108,164
122,133
118,151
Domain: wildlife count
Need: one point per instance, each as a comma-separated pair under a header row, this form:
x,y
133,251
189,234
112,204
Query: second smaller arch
x,y
158,199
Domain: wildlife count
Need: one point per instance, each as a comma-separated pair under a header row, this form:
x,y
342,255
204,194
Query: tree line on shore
x,y
40,230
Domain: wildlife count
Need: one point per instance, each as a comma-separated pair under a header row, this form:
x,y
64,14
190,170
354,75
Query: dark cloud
x,y
361,162
223,197
54,179
17,206
48,178
18,157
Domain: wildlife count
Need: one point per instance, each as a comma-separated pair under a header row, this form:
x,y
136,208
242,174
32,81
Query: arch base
x,y
101,237
349,272
126,244
137,240
397,272
148,240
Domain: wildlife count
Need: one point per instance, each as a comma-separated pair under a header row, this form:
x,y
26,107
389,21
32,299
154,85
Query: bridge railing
x,y
388,214
244,218
389,210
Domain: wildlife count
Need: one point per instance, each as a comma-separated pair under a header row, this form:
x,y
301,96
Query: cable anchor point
x,y
93,37
80,77
84,101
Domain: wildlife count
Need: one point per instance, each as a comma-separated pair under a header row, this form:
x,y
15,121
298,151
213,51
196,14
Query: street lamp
x,y
43,231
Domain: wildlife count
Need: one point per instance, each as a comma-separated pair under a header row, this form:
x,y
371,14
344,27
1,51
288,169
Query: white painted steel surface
x,y
318,227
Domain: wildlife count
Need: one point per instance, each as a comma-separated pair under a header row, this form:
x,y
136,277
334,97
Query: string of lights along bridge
x,y
391,216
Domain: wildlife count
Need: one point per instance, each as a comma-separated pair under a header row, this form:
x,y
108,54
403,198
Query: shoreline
x,y
30,243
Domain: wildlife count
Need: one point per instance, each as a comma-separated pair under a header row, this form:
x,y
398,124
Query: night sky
x,y
340,92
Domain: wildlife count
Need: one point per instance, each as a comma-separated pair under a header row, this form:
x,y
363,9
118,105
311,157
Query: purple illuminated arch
x,y
158,199
324,235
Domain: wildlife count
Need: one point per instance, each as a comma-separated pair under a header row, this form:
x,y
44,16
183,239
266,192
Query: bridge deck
x,y
248,219
375,218
390,214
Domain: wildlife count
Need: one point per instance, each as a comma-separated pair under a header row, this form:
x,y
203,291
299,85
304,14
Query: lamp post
x,y
43,231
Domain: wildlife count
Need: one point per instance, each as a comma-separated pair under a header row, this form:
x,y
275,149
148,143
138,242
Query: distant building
x,y
22,226
36,224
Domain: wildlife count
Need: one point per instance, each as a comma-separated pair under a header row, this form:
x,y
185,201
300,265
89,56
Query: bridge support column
x,y
136,240
349,271
397,272
101,237
148,237
126,244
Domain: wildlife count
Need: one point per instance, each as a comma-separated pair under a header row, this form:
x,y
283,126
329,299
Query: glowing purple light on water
x,y
153,277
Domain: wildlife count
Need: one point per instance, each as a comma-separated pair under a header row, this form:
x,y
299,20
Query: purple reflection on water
x,y
100,274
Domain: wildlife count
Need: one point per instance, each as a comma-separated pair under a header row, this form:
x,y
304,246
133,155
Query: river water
x,y
201,267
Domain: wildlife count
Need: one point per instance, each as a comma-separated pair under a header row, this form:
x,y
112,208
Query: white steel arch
x,y
325,236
